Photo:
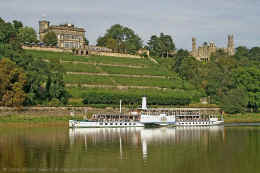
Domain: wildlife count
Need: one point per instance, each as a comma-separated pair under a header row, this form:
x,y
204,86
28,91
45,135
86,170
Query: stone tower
x,y
43,28
231,45
212,48
194,47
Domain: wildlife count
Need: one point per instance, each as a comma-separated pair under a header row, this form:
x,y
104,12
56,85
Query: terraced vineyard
x,y
116,75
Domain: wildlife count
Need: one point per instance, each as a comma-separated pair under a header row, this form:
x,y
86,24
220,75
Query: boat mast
x,y
120,106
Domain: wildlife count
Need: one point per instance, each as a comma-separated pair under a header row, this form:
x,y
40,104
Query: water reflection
x,y
184,149
143,137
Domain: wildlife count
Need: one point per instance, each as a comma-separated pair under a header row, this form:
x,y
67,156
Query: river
x,y
132,150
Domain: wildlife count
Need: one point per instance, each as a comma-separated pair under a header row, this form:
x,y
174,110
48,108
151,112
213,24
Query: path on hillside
x,y
112,86
119,75
102,64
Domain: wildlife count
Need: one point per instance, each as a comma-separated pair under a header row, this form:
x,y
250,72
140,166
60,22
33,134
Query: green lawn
x,y
152,82
70,67
86,79
124,81
92,59
153,70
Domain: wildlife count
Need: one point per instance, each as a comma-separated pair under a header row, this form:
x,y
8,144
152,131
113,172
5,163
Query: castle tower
x,y
212,49
43,28
231,45
194,47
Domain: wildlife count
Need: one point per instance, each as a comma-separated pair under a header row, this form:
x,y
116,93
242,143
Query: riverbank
x,y
35,120
242,118
52,120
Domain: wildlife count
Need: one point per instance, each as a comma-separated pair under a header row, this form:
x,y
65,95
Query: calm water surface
x,y
201,149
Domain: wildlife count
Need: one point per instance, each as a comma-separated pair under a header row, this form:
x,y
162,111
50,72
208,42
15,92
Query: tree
x,y
12,80
186,66
235,101
161,46
154,46
120,39
111,43
168,44
27,34
86,41
44,80
7,32
55,83
241,53
249,79
254,54
17,25
50,39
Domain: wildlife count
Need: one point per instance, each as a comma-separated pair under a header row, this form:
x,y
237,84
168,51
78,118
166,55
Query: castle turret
x,y
231,45
194,47
43,28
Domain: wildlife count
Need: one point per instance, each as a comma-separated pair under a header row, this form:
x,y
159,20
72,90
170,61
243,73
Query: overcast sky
x,y
207,20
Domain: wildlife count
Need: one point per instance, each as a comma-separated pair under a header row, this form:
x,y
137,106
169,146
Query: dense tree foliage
x,y
50,39
27,34
248,78
231,82
12,82
17,25
161,46
7,32
26,80
121,39
234,101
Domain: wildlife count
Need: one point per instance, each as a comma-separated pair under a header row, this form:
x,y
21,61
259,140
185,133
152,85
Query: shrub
x,y
175,98
54,102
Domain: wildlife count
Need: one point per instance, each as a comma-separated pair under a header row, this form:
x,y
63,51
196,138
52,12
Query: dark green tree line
x,y
40,81
231,82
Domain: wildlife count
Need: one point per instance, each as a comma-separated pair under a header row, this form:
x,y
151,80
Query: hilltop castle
x,y
203,53
68,35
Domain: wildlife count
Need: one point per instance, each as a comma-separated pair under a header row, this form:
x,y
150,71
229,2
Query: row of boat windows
x,y
116,124
196,123
149,116
153,117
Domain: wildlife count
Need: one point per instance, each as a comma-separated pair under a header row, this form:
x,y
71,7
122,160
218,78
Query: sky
x,y
206,20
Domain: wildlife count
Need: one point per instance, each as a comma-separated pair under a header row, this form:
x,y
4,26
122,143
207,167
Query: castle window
x,y
68,36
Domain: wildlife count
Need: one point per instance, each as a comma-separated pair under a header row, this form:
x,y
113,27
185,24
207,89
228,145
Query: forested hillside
x,y
25,80
230,82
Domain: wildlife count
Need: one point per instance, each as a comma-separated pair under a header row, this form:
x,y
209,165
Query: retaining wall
x,y
50,49
52,111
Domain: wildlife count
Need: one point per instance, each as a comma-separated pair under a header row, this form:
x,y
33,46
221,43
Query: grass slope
x,y
111,66
91,59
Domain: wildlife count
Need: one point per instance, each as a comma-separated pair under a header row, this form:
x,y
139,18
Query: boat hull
x,y
95,124
199,123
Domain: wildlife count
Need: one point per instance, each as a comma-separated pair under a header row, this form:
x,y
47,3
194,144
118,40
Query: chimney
x,y
144,103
